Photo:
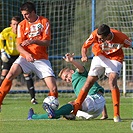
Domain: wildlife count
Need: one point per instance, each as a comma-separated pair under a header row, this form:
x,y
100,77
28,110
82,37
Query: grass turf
x,y
13,118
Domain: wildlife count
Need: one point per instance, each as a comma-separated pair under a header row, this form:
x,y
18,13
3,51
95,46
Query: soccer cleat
x,y
33,101
117,119
30,113
49,110
70,117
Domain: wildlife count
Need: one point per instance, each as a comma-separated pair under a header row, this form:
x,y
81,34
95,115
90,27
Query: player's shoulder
x,y
115,31
118,34
8,29
23,22
95,31
6,32
93,35
42,18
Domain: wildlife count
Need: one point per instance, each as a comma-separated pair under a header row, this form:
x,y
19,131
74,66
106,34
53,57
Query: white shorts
x,y
92,107
101,64
42,68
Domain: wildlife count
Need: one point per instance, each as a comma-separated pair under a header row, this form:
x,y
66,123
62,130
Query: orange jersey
x,y
110,49
39,30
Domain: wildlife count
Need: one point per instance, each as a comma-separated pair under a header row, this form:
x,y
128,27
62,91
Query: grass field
x,y
13,118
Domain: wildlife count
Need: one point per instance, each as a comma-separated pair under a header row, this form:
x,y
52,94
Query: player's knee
x,y
113,85
27,77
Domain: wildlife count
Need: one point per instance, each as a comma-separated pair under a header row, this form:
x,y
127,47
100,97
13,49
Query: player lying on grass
x,y
92,106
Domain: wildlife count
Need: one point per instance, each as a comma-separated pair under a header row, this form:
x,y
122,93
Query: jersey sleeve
x,y
127,42
90,40
20,34
2,38
1,42
47,30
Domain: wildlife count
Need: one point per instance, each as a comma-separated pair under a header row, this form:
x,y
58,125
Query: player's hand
x,y
4,56
84,59
29,58
27,42
68,57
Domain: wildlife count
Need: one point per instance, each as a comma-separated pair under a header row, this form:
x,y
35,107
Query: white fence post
x,y
124,78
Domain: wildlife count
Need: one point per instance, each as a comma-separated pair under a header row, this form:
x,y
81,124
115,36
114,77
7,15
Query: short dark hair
x,y
103,30
16,18
28,6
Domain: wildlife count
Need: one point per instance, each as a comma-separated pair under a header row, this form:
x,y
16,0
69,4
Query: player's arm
x,y
1,41
86,45
84,57
42,42
1,44
69,58
46,34
126,42
28,56
38,42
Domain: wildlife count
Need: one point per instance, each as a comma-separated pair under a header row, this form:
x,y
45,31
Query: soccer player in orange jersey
x,y
107,48
33,39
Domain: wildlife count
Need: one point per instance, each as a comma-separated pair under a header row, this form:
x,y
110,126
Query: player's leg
x,y
83,93
7,83
95,71
47,75
3,75
87,106
63,110
31,88
93,106
112,70
83,115
51,84
6,67
98,104
104,113
115,95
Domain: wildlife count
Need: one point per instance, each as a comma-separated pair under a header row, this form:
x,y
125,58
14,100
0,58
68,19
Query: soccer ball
x,y
52,102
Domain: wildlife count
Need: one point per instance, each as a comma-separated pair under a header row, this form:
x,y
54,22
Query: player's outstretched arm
x,y
84,57
69,58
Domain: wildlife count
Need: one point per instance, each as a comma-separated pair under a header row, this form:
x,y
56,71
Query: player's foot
x,y
30,113
33,101
104,118
49,110
117,119
70,117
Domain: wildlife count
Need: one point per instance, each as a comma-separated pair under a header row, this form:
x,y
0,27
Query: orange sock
x,y
49,94
5,88
55,94
116,101
78,102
